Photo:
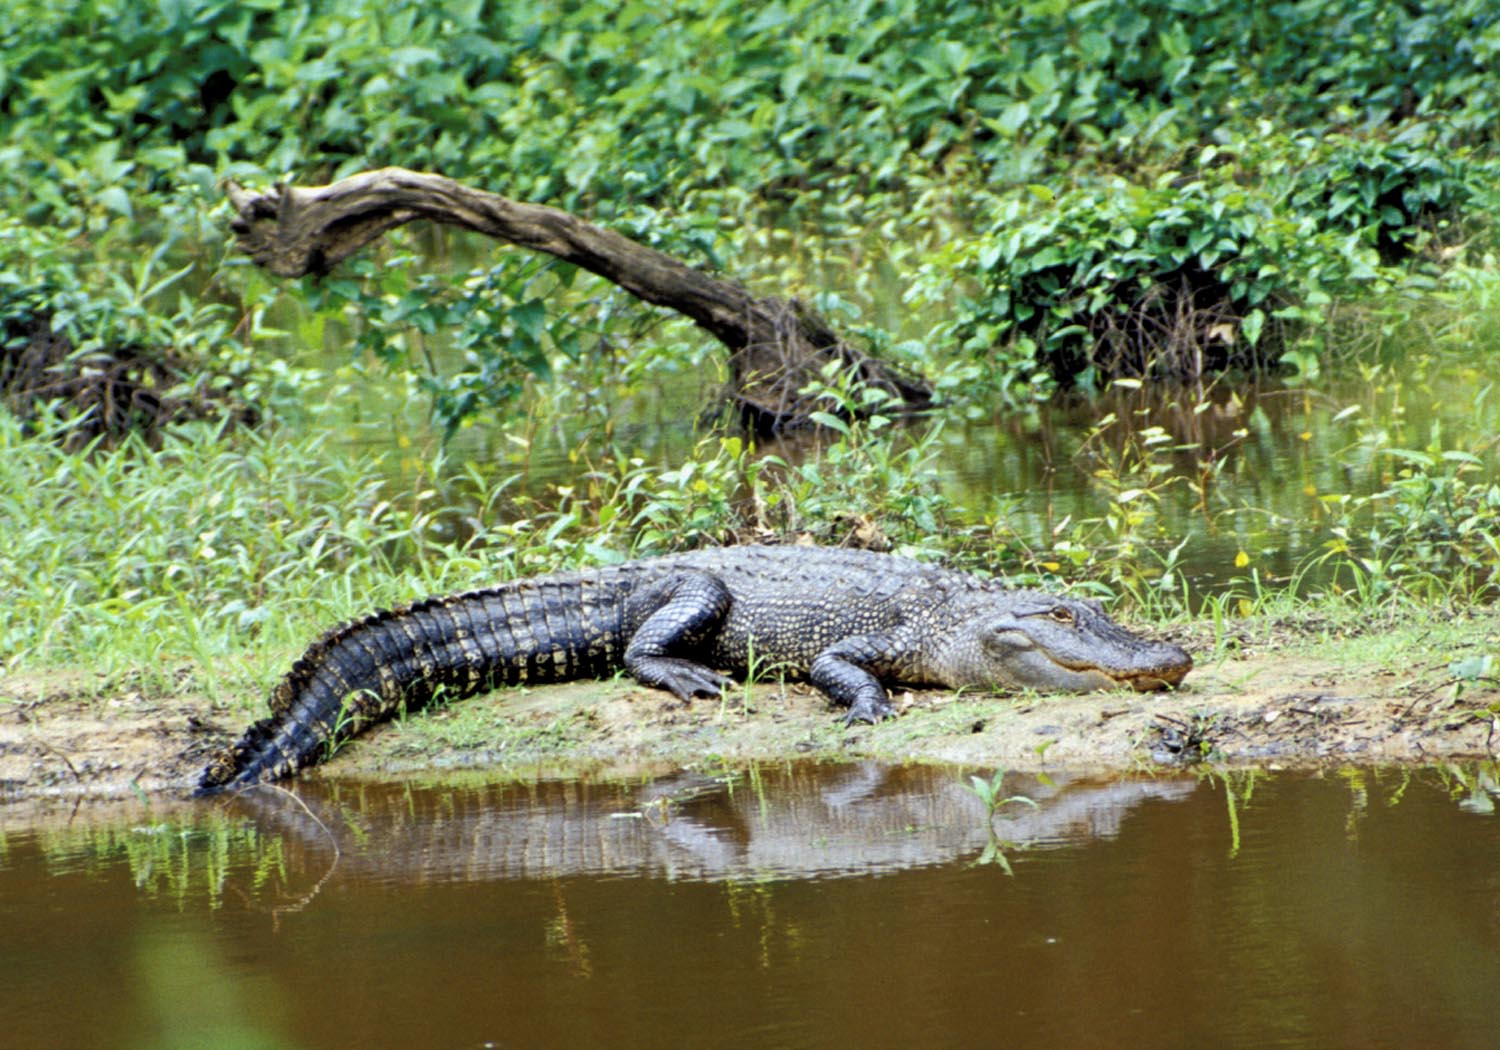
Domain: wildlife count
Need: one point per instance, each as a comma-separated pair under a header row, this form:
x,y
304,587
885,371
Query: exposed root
x,y
103,393
1185,327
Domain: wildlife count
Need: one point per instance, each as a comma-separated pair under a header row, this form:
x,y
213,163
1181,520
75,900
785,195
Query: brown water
x,y
799,907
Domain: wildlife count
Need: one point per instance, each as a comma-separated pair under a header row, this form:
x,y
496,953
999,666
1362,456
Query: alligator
x,y
846,620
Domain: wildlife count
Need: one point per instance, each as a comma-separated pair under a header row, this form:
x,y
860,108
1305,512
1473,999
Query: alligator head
x,y
1030,640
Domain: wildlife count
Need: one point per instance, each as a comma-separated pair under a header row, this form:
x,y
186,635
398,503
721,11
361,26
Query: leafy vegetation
x,y
1226,264
988,793
102,342
1116,167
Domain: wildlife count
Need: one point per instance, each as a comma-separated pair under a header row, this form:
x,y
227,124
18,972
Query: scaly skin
x,y
847,621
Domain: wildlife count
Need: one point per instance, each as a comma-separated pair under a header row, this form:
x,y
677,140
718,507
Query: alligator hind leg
x,y
681,612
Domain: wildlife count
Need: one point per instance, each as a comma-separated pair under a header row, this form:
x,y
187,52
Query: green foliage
x,y
1433,530
118,344
988,792
1396,195
1192,273
1227,259
1235,165
601,101
43,278
1113,278
490,326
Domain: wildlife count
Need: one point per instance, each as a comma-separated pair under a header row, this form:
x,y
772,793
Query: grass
x,y
226,551
1356,633
222,551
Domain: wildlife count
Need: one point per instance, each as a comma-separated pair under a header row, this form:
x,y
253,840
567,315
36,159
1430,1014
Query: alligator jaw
x,y
1150,680
1145,680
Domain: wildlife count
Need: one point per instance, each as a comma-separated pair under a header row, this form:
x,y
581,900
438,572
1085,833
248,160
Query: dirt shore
x,y
1280,701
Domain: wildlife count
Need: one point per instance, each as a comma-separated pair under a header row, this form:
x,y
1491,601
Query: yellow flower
x,y
1241,560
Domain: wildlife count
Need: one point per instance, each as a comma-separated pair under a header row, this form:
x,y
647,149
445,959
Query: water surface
x,y
787,906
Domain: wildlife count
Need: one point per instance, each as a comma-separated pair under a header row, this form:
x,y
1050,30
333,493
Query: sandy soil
x,y
1275,707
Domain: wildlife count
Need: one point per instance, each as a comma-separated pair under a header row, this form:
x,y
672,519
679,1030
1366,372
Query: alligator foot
x,y
869,710
683,678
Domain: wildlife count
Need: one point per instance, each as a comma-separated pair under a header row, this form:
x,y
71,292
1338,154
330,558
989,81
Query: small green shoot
x,y
1472,671
988,792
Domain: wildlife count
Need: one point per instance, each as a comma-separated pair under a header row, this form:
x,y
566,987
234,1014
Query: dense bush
x,y
1397,195
1196,271
1180,277
1235,164
599,100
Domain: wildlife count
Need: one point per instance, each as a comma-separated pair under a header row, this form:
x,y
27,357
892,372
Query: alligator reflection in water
x,y
801,822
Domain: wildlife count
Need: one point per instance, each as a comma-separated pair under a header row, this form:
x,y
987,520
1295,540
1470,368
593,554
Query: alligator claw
x,y
686,681
711,684
871,711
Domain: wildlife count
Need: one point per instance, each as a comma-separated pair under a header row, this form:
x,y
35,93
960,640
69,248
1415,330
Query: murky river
x,y
792,906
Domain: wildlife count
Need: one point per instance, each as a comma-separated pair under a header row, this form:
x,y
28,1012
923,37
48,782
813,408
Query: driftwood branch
x,y
777,346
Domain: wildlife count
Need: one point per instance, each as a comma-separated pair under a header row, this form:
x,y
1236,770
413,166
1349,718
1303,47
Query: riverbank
x,y
1290,693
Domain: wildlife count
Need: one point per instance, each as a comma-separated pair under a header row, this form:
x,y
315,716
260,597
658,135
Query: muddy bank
x,y
1280,702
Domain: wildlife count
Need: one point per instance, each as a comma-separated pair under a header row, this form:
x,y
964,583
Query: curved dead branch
x,y
777,346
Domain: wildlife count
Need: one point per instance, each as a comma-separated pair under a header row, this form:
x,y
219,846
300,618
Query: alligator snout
x,y
1169,666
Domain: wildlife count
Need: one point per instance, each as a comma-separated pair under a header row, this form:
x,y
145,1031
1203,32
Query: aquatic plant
x,y
988,792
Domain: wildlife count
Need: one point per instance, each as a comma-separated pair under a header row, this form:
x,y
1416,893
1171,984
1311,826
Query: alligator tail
x,y
399,660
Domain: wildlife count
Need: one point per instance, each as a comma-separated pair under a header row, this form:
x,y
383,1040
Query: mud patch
x,y
57,737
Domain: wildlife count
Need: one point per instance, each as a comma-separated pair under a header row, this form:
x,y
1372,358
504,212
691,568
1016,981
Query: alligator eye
x,y
1062,614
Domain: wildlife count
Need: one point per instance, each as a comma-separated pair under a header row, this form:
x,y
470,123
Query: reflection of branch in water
x,y
562,931
307,898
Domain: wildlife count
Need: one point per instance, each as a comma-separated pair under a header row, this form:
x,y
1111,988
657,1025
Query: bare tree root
x,y
106,392
1184,329
777,346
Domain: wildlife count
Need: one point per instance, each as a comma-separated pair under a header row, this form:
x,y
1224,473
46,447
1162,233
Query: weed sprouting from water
x,y
988,792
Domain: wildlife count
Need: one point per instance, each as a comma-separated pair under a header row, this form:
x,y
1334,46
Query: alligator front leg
x,y
684,612
847,671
